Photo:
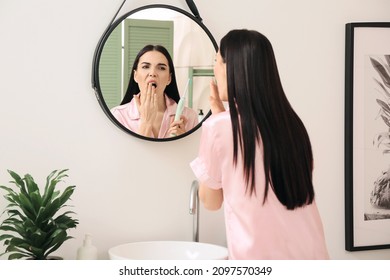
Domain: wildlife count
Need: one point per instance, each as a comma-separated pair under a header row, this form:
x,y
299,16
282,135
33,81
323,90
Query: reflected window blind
x,y
139,33
110,68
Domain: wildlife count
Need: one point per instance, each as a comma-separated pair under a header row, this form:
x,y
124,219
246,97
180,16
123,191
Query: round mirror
x,y
185,48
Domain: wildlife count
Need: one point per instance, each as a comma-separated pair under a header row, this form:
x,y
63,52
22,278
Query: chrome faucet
x,y
194,209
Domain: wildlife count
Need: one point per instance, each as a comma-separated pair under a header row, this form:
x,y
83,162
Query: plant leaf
x,y
9,190
30,184
8,228
36,200
386,120
25,204
5,236
18,181
381,71
66,194
383,105
15,256
387,93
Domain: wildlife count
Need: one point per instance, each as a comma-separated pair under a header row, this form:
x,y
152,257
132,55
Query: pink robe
x,y
254,230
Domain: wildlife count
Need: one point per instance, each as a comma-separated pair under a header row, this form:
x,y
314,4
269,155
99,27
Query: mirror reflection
x,y
155,63
152,105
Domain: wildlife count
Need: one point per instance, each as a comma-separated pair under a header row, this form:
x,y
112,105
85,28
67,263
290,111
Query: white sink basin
x,y
168,250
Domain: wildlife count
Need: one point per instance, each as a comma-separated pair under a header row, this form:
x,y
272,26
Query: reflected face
x,y
153,68
220,76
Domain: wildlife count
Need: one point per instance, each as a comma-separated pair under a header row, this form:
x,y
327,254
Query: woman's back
x,y
255,230
257,158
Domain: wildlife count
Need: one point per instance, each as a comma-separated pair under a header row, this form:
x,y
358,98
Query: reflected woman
x,y
150,102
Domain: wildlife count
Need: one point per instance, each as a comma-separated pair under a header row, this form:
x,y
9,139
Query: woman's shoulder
x,y
128,111
120,108
218,123
218,119
218,129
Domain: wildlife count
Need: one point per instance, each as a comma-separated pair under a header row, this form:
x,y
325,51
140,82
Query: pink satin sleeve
x,y
206,166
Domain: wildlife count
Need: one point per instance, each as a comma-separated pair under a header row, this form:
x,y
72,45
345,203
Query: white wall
x,y
132,190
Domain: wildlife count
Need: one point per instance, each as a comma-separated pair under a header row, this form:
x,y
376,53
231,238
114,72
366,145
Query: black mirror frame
x,y
96,61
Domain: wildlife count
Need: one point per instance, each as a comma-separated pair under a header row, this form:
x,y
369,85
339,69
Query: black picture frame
x,y
367,223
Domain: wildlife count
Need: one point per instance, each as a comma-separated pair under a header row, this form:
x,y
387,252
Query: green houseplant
x,y
35,228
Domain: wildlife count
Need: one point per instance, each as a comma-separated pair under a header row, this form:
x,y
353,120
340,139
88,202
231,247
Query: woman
x,y
153,85
256,158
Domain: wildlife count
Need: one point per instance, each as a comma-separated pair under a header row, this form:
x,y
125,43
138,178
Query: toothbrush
x,y
180,104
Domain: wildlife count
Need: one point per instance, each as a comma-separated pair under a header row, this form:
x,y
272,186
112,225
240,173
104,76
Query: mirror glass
x,y
191,48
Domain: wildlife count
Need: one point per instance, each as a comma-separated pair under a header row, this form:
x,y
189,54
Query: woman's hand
x,y
146,103
214,99
178,127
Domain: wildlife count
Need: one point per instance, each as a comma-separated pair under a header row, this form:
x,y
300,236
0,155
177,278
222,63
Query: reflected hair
x,y
171,90
261,112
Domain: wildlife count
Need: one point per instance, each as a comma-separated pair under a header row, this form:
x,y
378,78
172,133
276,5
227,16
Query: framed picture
x,y
367,136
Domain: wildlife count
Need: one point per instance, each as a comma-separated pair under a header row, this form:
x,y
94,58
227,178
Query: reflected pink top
x,y
254,230
128,115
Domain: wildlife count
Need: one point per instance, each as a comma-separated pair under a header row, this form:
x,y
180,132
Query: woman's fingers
x,y
215,101
137,101
154,97
214,90
178,127
148,95
147,103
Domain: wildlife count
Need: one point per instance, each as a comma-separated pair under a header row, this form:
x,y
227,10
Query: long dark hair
x,y
171,90
260,111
